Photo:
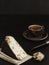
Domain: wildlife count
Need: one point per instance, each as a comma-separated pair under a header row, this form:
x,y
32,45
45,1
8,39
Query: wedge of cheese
x,y
16,48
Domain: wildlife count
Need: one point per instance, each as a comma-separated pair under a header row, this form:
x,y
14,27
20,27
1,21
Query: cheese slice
x,y
16,48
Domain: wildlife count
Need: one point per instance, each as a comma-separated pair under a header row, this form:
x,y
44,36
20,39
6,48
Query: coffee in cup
x,y
36,30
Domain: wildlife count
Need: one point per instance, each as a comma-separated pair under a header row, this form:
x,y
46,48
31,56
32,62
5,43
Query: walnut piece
x,y
38,56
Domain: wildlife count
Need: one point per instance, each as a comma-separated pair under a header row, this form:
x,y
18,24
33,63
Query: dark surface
x,y
15,25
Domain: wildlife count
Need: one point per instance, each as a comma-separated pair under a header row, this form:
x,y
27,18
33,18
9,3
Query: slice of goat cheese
x,y
15,47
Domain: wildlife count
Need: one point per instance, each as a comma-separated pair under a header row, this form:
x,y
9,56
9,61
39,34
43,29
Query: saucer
x,y
26,34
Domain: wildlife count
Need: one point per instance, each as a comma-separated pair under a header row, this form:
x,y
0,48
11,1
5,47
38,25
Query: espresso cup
x,y
36,30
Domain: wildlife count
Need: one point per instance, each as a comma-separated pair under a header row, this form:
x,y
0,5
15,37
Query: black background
x,y
24,7
15,25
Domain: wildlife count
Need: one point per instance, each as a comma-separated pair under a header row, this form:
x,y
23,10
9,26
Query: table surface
x,y
15,26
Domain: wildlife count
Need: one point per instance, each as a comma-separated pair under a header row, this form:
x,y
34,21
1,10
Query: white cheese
x,y
15,47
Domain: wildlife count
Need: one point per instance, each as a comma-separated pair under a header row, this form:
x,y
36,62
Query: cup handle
x,y
43,27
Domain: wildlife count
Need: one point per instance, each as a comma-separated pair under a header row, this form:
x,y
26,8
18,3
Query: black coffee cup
x,y
36,30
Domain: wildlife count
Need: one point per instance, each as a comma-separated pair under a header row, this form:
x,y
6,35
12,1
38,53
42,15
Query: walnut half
x,y
38,56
